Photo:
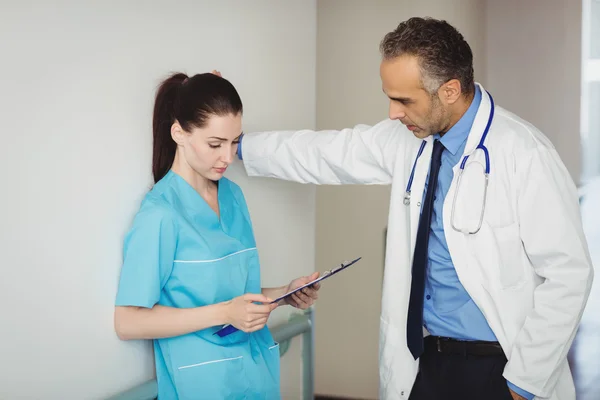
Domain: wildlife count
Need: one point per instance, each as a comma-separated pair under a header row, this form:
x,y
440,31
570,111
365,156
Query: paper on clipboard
x,y
228,329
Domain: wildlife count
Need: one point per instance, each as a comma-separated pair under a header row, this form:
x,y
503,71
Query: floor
x,y
585,353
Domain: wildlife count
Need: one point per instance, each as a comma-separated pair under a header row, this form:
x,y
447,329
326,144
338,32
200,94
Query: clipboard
x,y
229,329
324,276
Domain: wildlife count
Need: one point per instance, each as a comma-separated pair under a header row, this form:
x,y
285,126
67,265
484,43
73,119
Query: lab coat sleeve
x,y
553,238
148,255
360,155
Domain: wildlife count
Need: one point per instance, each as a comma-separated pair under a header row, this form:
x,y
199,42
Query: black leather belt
x,y
464,347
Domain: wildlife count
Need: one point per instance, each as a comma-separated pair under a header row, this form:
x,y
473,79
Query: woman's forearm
x,y
163,322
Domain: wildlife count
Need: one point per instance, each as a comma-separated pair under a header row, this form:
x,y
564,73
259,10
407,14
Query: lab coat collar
x,y
480,122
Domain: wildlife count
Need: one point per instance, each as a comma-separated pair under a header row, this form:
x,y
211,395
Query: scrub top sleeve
x,y
149,252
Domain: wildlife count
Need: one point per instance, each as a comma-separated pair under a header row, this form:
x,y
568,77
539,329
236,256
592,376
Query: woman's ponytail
x,y
164,147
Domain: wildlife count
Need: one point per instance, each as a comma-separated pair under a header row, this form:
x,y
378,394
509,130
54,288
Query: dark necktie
x,y
414,326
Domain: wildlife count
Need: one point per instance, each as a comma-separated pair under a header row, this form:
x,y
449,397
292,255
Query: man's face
x,y
410,103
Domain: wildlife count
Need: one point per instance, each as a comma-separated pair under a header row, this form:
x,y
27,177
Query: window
x,y
590,100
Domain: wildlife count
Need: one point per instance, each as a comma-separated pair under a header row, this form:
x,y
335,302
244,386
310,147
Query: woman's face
x,y
210,150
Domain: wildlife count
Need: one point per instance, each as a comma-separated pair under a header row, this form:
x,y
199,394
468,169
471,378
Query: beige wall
x,y
351,220
533,52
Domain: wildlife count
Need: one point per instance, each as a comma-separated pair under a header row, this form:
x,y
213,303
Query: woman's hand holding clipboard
x,y
324,276
228,329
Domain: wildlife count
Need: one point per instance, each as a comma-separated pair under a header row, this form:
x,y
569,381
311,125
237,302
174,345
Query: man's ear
x,y
450,91
177,133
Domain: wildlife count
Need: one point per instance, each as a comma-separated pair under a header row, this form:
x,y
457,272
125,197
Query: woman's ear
x,y
177,133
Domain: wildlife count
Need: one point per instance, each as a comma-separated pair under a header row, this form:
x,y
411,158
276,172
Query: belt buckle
x,y
439,345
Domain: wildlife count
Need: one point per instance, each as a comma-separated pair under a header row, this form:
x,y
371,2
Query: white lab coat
x,y
528,269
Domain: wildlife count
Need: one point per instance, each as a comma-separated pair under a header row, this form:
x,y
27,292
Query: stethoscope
x,y
480,146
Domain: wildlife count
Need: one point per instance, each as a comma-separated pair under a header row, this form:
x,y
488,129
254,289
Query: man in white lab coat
x,y
487,269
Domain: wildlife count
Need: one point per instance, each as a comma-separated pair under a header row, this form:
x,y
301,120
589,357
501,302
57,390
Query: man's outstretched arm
x,y
359,155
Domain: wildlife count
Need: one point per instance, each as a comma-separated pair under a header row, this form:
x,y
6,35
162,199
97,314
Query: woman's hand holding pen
x,y
245,315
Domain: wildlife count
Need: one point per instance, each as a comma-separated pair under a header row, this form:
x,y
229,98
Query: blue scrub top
x,y
179,253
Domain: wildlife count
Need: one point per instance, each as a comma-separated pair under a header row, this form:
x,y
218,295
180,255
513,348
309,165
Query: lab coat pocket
x,y
510,252
211,379
388,350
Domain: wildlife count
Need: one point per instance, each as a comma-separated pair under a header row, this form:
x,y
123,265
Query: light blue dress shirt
x,y
448,309
239,149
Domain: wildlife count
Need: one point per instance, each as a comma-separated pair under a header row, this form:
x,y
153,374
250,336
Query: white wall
x,y
351,219
533,53
76,89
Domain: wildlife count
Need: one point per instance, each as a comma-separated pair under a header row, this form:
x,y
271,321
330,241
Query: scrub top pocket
x,y
269,362
202,281
222,378
272,359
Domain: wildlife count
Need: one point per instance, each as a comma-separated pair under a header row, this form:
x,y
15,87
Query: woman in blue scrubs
x,y
190,259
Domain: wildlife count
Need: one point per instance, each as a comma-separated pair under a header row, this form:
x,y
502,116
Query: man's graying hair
x,y
441,50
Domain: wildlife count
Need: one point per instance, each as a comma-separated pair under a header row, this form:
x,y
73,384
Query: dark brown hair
x,y
191,102
441,50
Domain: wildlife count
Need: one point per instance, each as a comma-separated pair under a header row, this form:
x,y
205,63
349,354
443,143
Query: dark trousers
x,y
450,372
